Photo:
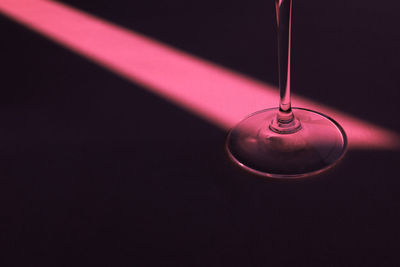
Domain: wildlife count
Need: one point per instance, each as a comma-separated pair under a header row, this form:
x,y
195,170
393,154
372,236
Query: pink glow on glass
x,y
215,93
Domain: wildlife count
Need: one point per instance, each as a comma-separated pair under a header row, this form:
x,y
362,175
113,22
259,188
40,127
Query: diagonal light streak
x,y
210,91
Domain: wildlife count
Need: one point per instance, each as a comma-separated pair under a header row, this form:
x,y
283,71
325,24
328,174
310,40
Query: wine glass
x,y
286,142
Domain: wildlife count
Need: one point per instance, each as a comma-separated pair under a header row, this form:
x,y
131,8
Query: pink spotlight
x,y
215,93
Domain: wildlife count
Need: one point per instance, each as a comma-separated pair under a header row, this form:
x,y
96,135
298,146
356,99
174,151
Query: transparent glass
x,y
286,142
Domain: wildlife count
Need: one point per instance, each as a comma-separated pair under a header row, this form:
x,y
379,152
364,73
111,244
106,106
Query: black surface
x,y
96,171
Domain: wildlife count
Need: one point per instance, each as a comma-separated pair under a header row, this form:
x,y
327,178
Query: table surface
x,y
96,170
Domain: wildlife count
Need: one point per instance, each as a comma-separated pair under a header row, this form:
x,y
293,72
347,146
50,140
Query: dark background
x,y
96,171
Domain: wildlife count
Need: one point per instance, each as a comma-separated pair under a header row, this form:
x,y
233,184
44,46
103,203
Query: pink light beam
x,y
217,94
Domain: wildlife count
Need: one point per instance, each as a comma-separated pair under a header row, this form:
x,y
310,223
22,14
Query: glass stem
x,y
285,121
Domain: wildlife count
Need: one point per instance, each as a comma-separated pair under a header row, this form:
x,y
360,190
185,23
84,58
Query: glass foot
x,y
315,147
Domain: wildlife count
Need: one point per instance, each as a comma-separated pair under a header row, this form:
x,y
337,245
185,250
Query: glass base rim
x,y
288,176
